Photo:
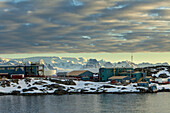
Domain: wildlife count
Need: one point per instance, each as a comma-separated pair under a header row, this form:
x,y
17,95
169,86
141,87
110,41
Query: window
x,y
22,68
11,68
2,68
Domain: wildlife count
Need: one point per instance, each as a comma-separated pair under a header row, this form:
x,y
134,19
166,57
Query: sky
x,y
91,28
150,57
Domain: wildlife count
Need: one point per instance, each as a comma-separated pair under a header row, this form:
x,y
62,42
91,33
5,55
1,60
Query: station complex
x,y
115,75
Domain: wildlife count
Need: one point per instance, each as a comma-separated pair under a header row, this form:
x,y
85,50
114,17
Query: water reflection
x,y
104,103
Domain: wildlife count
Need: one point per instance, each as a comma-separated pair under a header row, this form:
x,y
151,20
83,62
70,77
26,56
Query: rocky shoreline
x,y
49,86
71,93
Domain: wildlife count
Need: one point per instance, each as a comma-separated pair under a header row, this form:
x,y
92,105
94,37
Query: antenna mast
x,y
131,64
131,57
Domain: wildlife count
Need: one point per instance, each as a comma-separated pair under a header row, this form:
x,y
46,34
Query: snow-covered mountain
x,y
106,64
92,63
7,61
146,64
70,63
127,64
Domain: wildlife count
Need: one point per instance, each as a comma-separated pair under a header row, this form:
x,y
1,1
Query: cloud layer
x,y
74,26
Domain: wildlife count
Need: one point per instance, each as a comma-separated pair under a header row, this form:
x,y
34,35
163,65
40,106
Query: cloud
x,y
86,37
74,26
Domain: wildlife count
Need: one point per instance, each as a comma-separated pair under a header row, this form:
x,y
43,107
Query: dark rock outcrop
x,y
15,93
39,83
19,87
60,92
67,82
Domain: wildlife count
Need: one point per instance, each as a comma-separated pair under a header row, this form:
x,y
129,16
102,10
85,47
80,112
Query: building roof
x,y
143,82
61,73
137,72
3,73
76,73
10,65
117,77
124,73
132,78
148,77
2,66
116,68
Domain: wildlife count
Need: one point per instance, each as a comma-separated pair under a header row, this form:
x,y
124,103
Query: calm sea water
x,y
92,103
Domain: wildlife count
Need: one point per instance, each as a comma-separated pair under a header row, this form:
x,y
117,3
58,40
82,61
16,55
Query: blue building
x,y
143,84
105,73
32,70
7,71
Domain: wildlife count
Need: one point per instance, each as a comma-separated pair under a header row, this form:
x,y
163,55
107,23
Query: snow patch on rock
x,y
161,72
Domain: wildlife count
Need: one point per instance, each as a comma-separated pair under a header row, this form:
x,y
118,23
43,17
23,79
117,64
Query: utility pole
x,y
114,71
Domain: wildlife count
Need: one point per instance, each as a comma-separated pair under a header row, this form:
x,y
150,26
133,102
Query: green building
x,y
105,73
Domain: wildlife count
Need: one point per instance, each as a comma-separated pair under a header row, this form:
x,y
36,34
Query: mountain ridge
x,y
73,63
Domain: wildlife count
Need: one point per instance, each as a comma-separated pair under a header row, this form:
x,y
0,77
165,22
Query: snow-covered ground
x,y
101,87
79,87
48,86
161,87
14,86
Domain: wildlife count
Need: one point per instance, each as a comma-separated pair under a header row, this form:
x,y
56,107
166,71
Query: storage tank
x,y
50,72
